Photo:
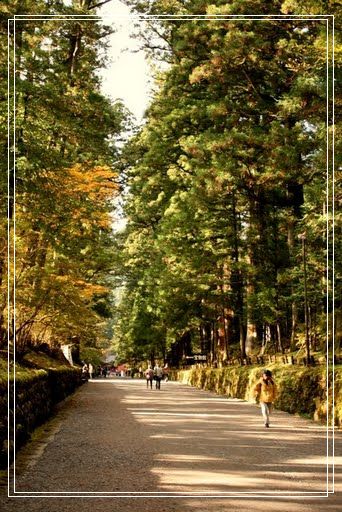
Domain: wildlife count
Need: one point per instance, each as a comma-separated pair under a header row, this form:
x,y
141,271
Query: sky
x,y
128,75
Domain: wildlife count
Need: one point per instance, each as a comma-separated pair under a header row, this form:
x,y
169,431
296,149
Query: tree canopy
x,y
226,185
229,170
62,176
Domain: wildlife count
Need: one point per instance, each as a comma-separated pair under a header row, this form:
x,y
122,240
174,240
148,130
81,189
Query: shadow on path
x,y
115,436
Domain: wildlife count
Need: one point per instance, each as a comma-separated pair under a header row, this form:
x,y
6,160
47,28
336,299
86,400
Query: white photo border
x,y
328,18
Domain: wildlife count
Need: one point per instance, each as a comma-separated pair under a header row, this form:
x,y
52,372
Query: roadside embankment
x,y
33,392
301,390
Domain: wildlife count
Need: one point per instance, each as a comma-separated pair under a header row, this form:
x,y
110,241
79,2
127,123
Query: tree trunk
x,y
226,313
294,309
251,336
152,358
242,340
280,342
237,282
213,343
205,331
338,326
265,339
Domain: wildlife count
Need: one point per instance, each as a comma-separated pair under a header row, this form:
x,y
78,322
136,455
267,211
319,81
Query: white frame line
x,y
14,254
333,253
184,18
327,246
8,244
144,18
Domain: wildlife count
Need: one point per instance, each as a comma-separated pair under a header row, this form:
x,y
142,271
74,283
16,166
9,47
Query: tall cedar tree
x,y
228,170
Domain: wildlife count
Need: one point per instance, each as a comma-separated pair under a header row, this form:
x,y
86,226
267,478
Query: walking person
x,y
149,376
85,372
90,370
158,375
166,372
266,390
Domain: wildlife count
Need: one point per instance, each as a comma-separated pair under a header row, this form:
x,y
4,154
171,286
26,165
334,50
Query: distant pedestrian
x,y
85,372
158,375
266,390
166,372
90,370
149,376
104,372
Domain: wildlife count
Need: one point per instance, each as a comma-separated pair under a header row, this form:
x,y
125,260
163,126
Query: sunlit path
x,y
219,445
115,437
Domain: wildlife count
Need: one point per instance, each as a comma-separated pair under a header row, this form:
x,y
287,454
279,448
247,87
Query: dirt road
x,y
115,445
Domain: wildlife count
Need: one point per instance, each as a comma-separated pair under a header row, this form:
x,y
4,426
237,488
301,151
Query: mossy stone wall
x,y
35,396
301,390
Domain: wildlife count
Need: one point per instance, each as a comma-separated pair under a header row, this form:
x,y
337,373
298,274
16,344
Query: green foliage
x,y
65,179
91,355
227,171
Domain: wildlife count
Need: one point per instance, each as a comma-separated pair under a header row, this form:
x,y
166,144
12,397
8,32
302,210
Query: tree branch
x,y
98,5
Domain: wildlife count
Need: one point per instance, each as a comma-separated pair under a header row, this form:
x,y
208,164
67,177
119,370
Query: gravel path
x,y
199,451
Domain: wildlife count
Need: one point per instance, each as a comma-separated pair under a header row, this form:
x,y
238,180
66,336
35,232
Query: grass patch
x,y
43,361
33,364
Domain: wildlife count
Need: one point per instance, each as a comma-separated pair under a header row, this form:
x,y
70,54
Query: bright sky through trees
x,y
127,75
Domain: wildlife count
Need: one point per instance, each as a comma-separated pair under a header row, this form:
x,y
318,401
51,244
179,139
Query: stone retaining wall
x,y
35,395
